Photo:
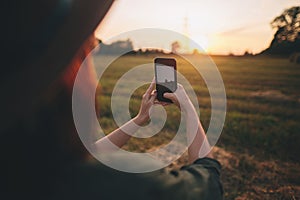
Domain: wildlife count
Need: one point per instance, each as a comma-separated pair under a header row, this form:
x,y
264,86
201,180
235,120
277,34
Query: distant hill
x,y
283,48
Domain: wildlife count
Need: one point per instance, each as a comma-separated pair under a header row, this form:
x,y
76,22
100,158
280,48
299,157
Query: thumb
x,y
169,96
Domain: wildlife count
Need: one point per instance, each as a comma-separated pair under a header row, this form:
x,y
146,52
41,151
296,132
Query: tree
x,y
117,47
175,47
287,25
287,36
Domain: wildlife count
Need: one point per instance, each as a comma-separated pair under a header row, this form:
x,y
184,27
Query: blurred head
x,y
45,46
42,39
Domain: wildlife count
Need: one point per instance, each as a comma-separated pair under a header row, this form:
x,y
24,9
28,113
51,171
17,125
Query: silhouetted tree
x,y
248,53
175,46
287,25
287,38
118,47
196,52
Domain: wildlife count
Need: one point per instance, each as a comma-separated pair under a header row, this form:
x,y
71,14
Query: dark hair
x,y
38,136
38,147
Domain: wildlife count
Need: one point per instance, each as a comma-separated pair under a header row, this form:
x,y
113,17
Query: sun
x,y
201,41
191,43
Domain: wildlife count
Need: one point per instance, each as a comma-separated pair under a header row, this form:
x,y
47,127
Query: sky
x,y
218,26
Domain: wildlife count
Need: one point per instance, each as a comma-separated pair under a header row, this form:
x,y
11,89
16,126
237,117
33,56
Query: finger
x,y
157,102
151,87
170,96
152,98
162,103
154,92
165,103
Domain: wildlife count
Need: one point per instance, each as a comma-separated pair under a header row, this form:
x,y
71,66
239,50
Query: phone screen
x,y
166,78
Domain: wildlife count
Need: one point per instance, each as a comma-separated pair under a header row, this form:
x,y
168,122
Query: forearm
x,y
119,137
115,140
198,144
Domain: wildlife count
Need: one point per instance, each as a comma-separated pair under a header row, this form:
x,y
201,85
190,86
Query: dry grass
x,y
246,177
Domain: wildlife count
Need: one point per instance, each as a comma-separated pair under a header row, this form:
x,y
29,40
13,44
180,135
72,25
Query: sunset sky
x,y
219,26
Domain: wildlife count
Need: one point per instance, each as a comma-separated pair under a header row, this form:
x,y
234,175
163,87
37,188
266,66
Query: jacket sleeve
x,y
200,180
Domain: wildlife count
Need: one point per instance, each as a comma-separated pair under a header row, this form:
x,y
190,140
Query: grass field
x,y
263,112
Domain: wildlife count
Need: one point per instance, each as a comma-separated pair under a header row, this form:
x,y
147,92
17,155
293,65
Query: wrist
x,y
138,120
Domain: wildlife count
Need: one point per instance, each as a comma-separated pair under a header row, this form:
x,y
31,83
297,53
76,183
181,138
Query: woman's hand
x,y
147,102
122,134
180,98
198,144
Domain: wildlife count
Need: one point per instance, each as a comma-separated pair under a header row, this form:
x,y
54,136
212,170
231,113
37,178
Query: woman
x,y
42,154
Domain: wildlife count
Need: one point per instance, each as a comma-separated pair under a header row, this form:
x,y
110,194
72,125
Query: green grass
x,y
265,125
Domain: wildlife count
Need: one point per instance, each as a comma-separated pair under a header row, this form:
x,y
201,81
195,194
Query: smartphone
x,y
165,77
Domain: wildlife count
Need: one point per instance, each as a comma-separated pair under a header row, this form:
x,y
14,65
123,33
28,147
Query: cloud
x,y
246,28
232,31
